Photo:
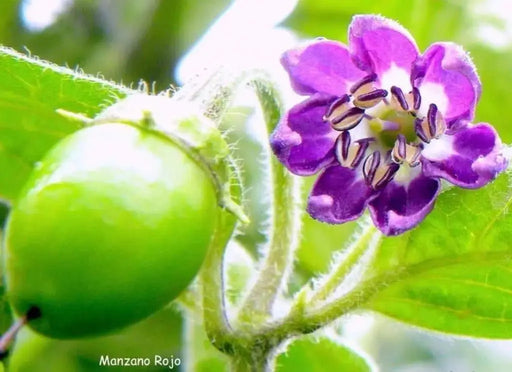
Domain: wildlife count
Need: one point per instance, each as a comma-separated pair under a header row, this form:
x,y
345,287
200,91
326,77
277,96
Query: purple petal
x,y
400,207
303,141
377,43
339,195
323,66
470,157
446,76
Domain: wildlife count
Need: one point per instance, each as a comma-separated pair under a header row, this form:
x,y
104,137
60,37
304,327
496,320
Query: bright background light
x,y
39,14
245,36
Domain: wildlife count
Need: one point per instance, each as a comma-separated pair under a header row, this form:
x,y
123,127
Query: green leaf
x,y
473,299
310,354
30,92
330,18
491,64
454,272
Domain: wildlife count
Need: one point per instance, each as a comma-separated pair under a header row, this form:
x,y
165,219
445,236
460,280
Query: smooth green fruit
x,y
113,224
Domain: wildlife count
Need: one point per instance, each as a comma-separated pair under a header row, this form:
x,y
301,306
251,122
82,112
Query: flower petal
x,y
379,44
446,76
339,195
400,207
471,157
322,66
303,141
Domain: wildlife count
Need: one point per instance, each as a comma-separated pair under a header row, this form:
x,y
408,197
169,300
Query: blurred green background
x,y
166,42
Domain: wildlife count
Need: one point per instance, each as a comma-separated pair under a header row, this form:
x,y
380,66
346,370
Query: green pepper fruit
x,y
113,224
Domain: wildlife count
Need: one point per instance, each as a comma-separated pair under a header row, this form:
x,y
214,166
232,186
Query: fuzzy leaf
x,y
30,92
310,354
454,272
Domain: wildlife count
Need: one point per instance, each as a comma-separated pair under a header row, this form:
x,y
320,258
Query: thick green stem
x,y
240,364
258,304
336,277
285,224
216,324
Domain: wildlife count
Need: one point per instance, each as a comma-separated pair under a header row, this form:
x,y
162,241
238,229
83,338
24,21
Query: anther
x,y
348,120
378,172
365,92
421,131
350,154
404,152
370,166
409,102
370,99
432,126
342,115
338,107
416,98
399,98
436,121
364,85
431,119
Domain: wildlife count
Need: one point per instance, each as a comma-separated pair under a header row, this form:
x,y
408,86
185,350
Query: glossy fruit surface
x,y
113,224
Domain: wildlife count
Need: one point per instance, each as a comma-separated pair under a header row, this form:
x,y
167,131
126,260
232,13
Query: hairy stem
x,y
239,364
316,318
280,251
285,223
212,281
336,277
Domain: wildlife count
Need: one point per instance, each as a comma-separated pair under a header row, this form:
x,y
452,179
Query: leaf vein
x,y
462,313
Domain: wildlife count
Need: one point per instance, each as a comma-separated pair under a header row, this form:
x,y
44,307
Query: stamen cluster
x,y
380,165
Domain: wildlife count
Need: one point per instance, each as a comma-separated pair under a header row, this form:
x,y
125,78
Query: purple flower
x,y
383,123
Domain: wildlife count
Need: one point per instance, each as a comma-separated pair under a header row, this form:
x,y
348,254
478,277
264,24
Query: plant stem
x,y
216,324
334,279
280,251
285,223
9,336
243,365
314,319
